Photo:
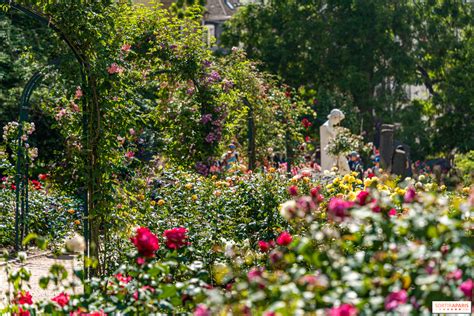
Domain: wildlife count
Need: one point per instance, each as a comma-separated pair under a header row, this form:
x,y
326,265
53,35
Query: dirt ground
x,y
39,266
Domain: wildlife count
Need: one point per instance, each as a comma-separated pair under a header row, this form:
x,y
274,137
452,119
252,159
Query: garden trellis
x,y
21,210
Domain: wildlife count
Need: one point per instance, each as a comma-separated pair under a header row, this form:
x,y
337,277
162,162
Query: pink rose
x,y
466,287
410,195
338,208
343,310
394,299
201,310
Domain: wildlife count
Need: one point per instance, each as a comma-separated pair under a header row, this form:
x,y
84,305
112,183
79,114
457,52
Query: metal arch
x,y
25,102
22,163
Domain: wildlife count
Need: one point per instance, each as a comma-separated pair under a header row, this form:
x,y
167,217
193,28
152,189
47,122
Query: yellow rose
x,y
189,186
71,211
269,177
161,202
141,197
214,177
152,203
271,170
194,197
77,222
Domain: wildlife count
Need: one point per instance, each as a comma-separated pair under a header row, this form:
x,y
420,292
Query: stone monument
x,y
327,132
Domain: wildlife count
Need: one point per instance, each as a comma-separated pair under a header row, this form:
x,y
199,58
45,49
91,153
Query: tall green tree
x,y
363,54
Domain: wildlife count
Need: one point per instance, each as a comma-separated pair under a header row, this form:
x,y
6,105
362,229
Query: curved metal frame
x,y
22,161
22,164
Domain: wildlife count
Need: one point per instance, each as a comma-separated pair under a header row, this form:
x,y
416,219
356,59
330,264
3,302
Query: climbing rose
x,y
62,299
394,299
284,239
362,197
176,237
343,310
126,47
24,297
466,287
78,93
146,242
293,190
114,69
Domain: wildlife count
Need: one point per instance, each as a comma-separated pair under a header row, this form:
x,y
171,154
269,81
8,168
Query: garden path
x,y
39,266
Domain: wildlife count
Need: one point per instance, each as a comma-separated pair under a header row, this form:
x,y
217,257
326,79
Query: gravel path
x,y
39,267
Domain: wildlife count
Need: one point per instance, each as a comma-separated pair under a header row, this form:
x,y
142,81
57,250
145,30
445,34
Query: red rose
x,y
306,123
264,246
146,242
293,190
22,312
24,297
42,176
314,191
284,239
122,278
62,299
362,197
176,237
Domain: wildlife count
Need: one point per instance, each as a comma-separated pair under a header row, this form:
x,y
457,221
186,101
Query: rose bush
x,y
51,214
342,246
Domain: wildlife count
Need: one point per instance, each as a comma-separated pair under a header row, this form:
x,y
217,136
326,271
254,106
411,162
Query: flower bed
x,y
50,215
339,247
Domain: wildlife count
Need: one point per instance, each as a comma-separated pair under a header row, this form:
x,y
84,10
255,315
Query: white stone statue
x,y
327,132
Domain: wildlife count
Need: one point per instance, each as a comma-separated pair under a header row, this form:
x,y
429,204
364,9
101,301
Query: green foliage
x,y
364,54
465,164
50,215
396,240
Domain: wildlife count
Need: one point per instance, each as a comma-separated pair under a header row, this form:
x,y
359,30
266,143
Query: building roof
x,y
216,10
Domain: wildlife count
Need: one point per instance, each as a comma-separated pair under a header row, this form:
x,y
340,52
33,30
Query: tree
x,y
362,53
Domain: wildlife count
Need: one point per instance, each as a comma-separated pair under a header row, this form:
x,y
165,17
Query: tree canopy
x,y
365,54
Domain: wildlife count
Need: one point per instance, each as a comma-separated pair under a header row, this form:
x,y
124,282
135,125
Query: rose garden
x,y
313,158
